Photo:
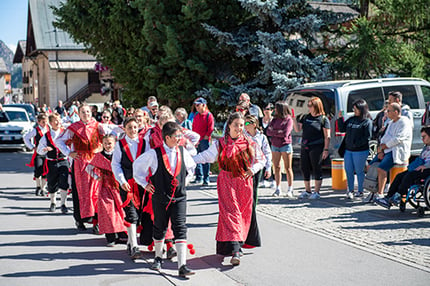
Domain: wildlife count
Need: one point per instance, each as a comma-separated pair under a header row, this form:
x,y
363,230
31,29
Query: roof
x,y
3,67
20,52
42,31
334,7
72,65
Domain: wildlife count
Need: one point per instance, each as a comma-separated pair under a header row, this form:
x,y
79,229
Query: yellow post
x,y
396,169
338,175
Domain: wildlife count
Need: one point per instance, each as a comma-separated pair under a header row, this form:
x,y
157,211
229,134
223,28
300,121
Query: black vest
x,y
55,153
162,180
126,164
37,137
107,156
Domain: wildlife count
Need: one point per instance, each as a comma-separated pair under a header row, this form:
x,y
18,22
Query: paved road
x,y
328,242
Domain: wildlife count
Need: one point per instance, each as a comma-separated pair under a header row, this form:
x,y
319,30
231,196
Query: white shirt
x,y
398,138
148,162
43,143
192,137
263,142
210,155
133,144
31,134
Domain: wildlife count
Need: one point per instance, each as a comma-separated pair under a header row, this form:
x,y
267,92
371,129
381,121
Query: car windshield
x,y
17,116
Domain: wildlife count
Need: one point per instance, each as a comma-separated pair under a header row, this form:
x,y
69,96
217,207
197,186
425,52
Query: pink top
x,y
280,131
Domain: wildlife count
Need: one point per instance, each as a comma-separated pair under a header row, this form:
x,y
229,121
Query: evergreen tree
x,y
272,50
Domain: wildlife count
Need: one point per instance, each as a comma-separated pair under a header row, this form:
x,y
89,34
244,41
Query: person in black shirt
x,y
315,143
358,130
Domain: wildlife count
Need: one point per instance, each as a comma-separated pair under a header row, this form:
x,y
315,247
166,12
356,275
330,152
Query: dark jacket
x,y
358,132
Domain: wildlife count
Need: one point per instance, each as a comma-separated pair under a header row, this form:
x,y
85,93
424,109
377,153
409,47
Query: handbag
x,y
341,150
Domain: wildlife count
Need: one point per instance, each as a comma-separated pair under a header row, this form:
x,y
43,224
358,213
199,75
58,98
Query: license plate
x,y
7,138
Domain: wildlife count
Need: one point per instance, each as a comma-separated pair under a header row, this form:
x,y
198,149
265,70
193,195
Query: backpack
x,y
371,179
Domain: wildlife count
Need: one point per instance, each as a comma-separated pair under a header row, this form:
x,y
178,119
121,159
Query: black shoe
x,y
64,209
197,181
171,253
110,244
129,249
52,208
96,229
383,202
42,192
156,265
37,193
135,253
80,226
184,271
205,183
235,259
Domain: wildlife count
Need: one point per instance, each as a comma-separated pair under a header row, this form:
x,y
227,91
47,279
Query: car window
x,y
373,97
409,94
426,93
17,116
298,100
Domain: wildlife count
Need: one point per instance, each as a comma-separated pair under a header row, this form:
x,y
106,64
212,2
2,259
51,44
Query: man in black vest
x,y
170,166
58,166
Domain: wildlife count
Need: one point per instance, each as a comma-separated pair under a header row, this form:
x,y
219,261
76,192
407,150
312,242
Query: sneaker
x,y
135,253
96,229
304,195
262,184
235,259
314,196
52,208
156,265
110,244
350,195
276,193
395,199
358,194
37,192
272,184
184,271
205,183
171,253
383,202
379,196
197,182
64,209
290,194
369,198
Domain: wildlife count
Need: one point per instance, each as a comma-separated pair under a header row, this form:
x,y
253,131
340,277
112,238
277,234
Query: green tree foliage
x,y
155,47
393,39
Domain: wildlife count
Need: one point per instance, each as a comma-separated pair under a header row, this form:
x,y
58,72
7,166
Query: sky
x,y
13,22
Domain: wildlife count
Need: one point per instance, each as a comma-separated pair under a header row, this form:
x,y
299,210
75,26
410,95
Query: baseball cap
x,y
200,100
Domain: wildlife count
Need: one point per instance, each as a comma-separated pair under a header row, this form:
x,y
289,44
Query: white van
x,y
340,95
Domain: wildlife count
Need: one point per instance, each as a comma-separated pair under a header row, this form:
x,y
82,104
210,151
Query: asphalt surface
x,y
332,241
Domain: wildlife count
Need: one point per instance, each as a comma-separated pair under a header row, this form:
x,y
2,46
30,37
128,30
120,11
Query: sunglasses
x,y
107,117
268,108
177,136
247,123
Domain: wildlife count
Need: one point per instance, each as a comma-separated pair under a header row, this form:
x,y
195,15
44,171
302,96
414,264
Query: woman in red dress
x,y
239,158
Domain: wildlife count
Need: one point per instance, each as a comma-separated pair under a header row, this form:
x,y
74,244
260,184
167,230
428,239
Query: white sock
x,y
53,197
43,183
158,246
181,248
290,189
278,187
132,236
38,182
63,194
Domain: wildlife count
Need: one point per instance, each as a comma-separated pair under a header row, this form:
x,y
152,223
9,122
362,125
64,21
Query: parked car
x,y
340,95
13,127
28,107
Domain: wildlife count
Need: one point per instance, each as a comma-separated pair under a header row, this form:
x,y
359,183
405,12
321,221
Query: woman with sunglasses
x,y
239,158
315,143
264,124
280,132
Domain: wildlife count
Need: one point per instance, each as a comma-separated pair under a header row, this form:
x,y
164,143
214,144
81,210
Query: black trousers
x,y
58,174
310,159
38,166
253,237
404,180
75,197
177,212
132,214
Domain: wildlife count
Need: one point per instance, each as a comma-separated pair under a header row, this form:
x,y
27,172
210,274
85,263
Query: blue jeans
x,y
202,170
355,161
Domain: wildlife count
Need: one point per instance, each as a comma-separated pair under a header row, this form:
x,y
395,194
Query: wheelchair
x,y
418,196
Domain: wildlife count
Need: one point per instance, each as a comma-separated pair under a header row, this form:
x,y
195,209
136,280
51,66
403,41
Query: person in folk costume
x,y
109,205
239,159
253,130
142,120
80,142
37,160
126,151
57,171
167,166
154,140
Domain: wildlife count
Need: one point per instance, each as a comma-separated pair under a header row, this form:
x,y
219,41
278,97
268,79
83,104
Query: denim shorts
x,y
286,148
386,163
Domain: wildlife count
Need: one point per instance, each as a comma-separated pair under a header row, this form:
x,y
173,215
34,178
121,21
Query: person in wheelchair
x,y
418,169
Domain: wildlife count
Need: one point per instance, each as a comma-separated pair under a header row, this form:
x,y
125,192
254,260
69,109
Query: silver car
x,y
14,123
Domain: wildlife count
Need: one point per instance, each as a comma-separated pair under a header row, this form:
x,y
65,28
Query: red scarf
x,y
235,156
156,138
87,137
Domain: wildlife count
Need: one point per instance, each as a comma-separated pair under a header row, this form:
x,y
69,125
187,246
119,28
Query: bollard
x,y
396,169
338,175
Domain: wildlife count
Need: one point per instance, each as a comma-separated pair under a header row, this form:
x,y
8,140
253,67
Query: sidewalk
x,y
304,243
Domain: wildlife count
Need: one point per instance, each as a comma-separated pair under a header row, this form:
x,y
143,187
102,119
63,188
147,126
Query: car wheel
x,y
373,149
